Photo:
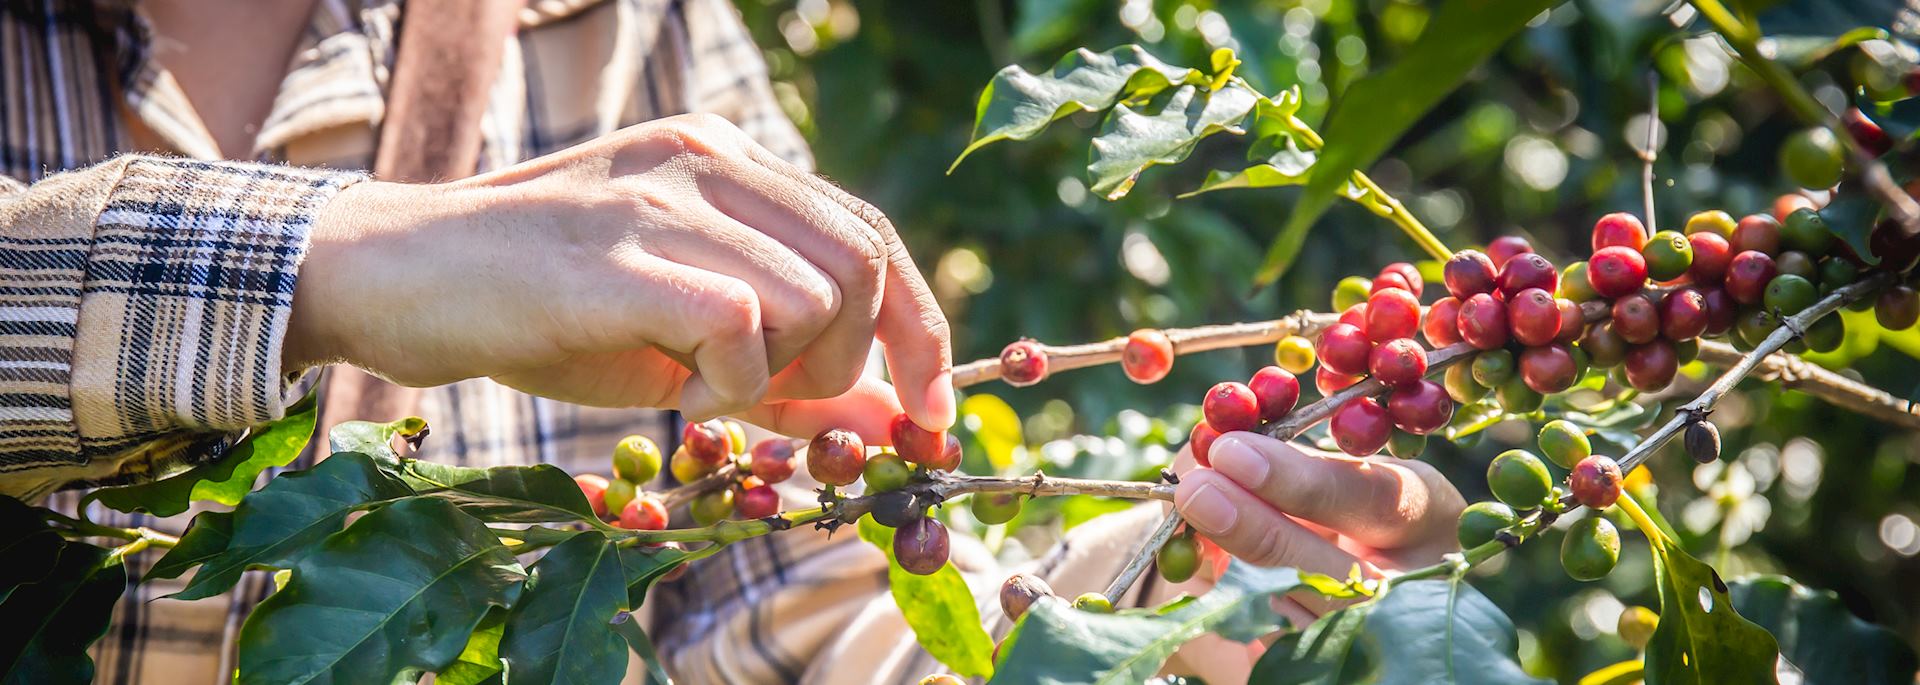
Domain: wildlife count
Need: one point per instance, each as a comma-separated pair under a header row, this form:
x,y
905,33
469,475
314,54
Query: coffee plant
x,y
389,568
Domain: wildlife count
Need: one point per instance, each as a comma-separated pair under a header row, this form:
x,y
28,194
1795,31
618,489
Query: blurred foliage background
x,y
1539,142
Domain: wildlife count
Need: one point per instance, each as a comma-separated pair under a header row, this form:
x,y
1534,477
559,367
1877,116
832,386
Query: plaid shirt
x,y
143,301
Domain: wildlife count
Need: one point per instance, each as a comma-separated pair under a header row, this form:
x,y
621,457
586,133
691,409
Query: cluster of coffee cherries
x,y
704,448
837,457
1521,484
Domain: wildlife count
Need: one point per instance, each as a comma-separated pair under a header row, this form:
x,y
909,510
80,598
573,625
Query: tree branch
x,y
1185,341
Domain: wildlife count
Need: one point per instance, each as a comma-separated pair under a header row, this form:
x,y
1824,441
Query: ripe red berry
x,y
1595,482
754,499
1711,255
1533,317
1721,310
1548,369
1355,315
1616,271
1683,314
1344,348
1389,281
1785,205
1748,275
1468,273
1897,308
1330,382
1230,407
1276,390
1573,321
644,513
1361,426
1506,247
920,546
1441,326
1408,274
1483,322
1023,363
1621,229
1397,361
707,442
594,487
1651,367
1869,134
950,455
1756,232
1200,440
1147,357
772,460
1528,271
1636,319
1392,314
1420,408
915,444
836,456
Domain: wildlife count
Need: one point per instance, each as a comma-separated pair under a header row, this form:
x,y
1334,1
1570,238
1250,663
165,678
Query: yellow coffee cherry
x,y
1295,354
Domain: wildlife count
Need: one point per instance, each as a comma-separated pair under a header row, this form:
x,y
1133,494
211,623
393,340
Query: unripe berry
x,y
1468,273
1757,233
1576,285
1023,363
1230,407
920,546
1408,275
1178,559
1200,440
1591,549
1573,321
736,436
1616,271
1668,255
1753,326
1506,247
1604,347
1148,356
1461,386
687,469
1520,479
1392,314
754,499
1019,592
619,492
1344,349
1595,482
1361,426
836,457
1806,231
1420,408
1528,271
1480,522
1483,322
1651,367
594,488
1404,445
1093,602
1564,443
1533,317
885,472
636,458
950,456
1329,382
644,513
915,444
1825,334
1813,158
1683,315
707,441
1711,221
1787,294
1619,229
1295,354
1897,308
1703,441
1350,291
1275,390
1636,319
1441,326
1722,311
1548,369
1398,361
1836,274
1493,367
1711,255
1516,398
773,461
1636,626
1795,263
994,508
712,507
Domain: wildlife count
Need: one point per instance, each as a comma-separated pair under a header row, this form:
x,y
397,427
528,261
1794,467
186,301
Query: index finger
x,y
1384,503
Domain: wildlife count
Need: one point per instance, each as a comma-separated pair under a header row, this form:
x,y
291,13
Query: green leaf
x,y
628,627
1281,155
29,546
559,631
1701,638
1424,631
209,536
227,479
281,523
1852,217
938,608
51,623
1289,166
398,592
644,565
1018,105
376,439
1818,636
1060,644
1801,52
1381,106
1163,131
512,494
479,661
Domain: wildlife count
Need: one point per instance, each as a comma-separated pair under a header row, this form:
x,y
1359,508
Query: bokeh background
x,y
1539,142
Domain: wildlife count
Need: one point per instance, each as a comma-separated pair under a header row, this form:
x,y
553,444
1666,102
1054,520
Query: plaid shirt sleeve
x,y
142,307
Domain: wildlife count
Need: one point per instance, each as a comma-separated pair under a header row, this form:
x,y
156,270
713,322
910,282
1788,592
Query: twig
x,y
1799,374
146,536
720,478
1142,557
1387,206
1185,341
1649,154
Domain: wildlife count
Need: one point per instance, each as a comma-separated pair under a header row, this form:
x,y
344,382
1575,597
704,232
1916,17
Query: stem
x,y
1388,206
1185,341
1649,154
143,535
1794,373
1641,519
1142,557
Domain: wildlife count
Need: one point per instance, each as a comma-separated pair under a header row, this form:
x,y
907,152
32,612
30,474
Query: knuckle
x,y
1271,548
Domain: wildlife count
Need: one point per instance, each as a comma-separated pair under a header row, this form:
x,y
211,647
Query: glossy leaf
x,y
629,629
1280,154
227,479
1018,104
1818,635
1423,631
559,630
29,547
399,591
209,536
514,494
1163,131
1701,638
479,661
375,439
644,565
938,607
1852,217
51,623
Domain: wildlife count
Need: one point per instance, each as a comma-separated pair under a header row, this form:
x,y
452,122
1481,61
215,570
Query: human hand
x,y
670,264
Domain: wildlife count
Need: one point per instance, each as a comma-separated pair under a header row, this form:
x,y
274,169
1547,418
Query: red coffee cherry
x,y
1230,407
754,499
1721,310
1276,390
1897,308
1748,275
915,444
1573,321
1420,407
1528,271
1388,281
1147,357
920,546
1468,273
1329,381
1023,363
950,454
1595,482
1548,369
707,442
1604,347
1616,271
1020,592
645,512
1532,316
1506,247
1344,348
1483,322
1408,274
1397,361
1785,205
1361,426
1355,316
1756,232
772,460
1711,256
1392,314
836,457
1636,319
1683,315
1441,325
1869,134
1651,367
1619,229
594,487
1200,440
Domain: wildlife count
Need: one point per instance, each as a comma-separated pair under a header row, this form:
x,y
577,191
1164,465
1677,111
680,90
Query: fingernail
x,y
1210,511
1238,460
939,402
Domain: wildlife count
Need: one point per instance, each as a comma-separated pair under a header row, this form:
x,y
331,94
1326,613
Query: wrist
x,y
335,278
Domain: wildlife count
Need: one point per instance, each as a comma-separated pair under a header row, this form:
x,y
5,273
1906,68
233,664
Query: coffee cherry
x,y
942,679
1023,363
1533,317
1148,356
1668,255
594,488
1795,263
1616,271
1398,361
1093,602
1407,274
1573,321
1483,322
1621,229
619,492
1295,354
644,513
1329,382
1506,247
1591,549
1757,233
1230,407
1805,230
1636,626
1404,445
1493,367
1788,203
636,459
1516,398
707,441
736,436
1350,291
1420,407
1276,391
950,456
712,507
1019,592
1361,426
1711,255
1636,319
1753,326
1461,386
1722,311
915,444
885,472
1595,482
920,546
1813,158
1711,221
1388,281
1683,315
1836,274
1344,349
1897,250
1468,273
1563,443
1201,439
1897,308
1481,522
1441,326
1575,285
1548,369
687,469
1604,347
1528,271
1867,133
1826,334
994,508
1703,441
773,461
1355,316
754,499
1748,275
1787,294
836,457
1392,314
1179,558
1520,479
1651,367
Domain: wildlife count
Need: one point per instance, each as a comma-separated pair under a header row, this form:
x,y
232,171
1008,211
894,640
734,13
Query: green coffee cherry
x,y
1591,549
1668,254
994,508
1520,479
1093,602
1813,158
1788,294
1826,334
1806,231
1492,368
1481,521
636,459
886,471
619,492
1179,558
1406,445
712,507
1461,386
1516,398
1350,291
1564,443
